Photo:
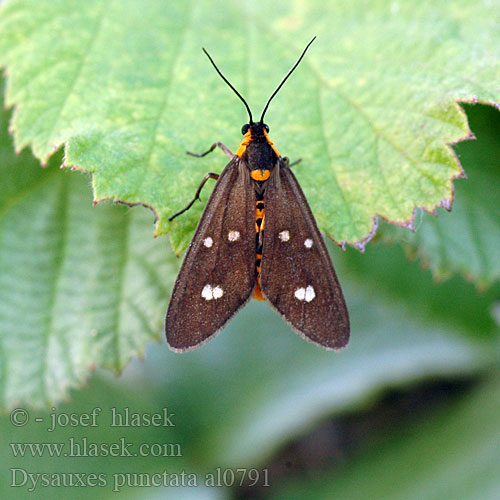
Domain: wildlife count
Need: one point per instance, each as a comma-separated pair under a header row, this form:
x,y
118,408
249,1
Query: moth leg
x,y
287,161
210,175
224,148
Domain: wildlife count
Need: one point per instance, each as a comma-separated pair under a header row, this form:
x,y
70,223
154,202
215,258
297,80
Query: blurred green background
x,y
409,410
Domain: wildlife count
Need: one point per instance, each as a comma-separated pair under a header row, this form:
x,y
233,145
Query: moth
x,y
257,237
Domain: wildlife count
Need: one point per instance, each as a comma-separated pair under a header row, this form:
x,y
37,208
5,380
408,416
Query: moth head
x,y
257,128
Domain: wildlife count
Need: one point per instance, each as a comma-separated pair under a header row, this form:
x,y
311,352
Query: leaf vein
x,y
72,83
378,133
330,158
166,95
122,266
59,254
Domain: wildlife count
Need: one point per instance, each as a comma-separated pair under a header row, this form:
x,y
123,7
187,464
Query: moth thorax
x,y
260,155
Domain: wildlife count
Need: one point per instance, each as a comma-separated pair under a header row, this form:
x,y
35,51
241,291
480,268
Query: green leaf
x,y
467,240
81,286
453,456
371,110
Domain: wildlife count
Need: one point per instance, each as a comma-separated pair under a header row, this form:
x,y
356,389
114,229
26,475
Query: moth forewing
x,y
297,275
217,276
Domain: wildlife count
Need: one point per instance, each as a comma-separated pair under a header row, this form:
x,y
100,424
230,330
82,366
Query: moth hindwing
x,y
256,235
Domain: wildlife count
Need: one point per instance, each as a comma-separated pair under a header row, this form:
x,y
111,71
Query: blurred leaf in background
x,y
453,455
125,88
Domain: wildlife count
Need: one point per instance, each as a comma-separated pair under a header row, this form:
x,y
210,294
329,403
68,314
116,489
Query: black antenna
x,y
285,79
229,83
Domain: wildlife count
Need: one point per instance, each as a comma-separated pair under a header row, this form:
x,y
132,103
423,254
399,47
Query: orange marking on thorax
x,y
271,143
244,143
260,175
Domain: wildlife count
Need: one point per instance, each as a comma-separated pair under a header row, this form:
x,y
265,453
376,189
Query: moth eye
x,y
266,127
245,128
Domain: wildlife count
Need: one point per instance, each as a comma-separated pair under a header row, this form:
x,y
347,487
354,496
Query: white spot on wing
x,y
306,294
233,235
310,293
207,292
284,235
208,242
308,243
